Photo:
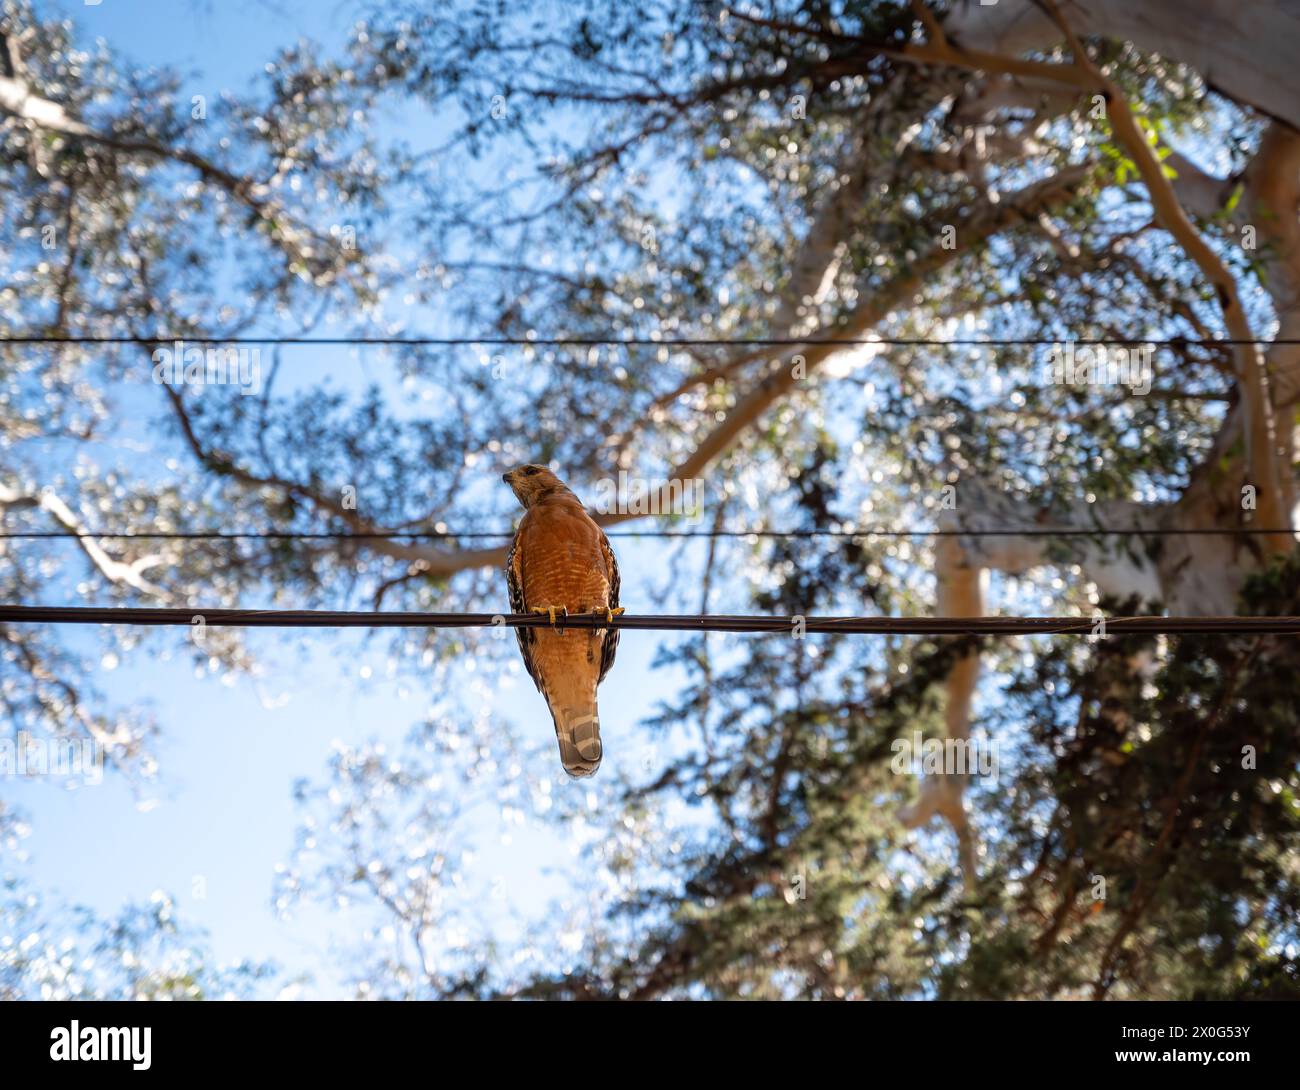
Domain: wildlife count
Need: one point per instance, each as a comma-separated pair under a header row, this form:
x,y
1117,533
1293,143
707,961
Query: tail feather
x,y
577,729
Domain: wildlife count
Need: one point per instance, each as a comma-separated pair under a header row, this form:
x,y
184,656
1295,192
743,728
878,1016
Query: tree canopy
x,y
644,226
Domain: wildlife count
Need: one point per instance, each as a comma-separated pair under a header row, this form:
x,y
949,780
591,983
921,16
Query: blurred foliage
x,y
55,951
600,171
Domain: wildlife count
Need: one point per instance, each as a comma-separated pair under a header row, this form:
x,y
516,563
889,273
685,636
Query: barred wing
x,y
610,645
525,636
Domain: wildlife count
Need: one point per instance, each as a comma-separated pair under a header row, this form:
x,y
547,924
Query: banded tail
x,y
577,729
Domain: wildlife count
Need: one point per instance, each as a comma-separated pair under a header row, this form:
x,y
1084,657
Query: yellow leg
x,y
551,612
610,614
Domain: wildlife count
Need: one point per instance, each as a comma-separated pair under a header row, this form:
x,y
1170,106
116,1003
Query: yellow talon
x,y
610,614
551,612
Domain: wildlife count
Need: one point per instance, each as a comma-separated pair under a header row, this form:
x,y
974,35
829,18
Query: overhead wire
x,y
795,625
651,342
504,535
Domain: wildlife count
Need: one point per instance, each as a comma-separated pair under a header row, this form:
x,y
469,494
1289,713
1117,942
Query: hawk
x,y
561,563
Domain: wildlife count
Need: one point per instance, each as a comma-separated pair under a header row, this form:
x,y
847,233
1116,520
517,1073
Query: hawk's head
x,y
531,483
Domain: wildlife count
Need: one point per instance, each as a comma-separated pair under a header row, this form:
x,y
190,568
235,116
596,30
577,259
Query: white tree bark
x,y
958,593
1118,566
1242,48
115,571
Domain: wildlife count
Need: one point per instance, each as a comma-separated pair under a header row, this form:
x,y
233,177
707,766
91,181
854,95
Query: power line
x,y
902,626
655,342
506,535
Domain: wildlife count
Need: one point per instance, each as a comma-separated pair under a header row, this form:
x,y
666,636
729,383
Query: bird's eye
x,y
532,471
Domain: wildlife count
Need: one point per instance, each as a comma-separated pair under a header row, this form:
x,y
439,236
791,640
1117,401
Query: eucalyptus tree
x,y
691,241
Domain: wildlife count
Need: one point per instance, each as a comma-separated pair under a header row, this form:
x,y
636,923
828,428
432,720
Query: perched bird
x,y
561,563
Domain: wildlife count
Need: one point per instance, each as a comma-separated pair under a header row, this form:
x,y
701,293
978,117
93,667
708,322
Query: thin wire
x,y
695,342
505,535
796,626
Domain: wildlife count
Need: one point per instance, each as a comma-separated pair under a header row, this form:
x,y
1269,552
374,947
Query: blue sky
x,y
220,817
